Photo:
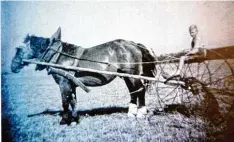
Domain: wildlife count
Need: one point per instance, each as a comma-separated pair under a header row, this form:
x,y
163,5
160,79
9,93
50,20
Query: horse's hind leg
x,y
137,91
142,111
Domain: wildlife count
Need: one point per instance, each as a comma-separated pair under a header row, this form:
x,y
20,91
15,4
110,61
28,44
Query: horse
x,y
119,56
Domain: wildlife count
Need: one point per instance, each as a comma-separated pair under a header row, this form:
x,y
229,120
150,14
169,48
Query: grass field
x,y
31,107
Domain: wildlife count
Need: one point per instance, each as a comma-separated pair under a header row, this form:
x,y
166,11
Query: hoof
x,y
64,122
131,114
65,119
142,112
141,116
75,119
73,124
132,110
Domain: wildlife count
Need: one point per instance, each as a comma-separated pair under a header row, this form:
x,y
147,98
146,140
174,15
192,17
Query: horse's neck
x,y
73,50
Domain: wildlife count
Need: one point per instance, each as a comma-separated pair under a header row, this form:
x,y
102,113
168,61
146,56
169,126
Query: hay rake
x,y
205,88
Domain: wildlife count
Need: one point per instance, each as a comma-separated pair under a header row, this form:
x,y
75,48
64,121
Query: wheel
x,y
206,97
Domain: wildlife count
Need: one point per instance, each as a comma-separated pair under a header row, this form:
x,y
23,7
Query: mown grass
x,y
32,104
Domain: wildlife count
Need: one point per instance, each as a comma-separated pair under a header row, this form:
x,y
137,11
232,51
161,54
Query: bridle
x,y
49,54
21,53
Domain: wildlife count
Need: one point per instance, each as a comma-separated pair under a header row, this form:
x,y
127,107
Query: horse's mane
x,y
38,42
33,37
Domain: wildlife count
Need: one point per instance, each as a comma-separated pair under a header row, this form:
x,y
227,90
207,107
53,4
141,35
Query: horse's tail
x,y
149,67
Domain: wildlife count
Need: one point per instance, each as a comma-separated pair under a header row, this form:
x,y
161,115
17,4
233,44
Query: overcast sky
x,y
162,26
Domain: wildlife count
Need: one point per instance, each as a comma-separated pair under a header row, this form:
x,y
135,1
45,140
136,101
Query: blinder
x,y
51,54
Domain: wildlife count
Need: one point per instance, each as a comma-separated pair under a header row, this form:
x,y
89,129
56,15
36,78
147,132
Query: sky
x,y
162,26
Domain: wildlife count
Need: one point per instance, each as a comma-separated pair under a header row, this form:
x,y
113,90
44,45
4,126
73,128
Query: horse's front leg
x,y
74,105
66,92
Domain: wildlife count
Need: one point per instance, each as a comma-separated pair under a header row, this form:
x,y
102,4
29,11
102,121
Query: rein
x,y
112,63
59,52
65,54
117,63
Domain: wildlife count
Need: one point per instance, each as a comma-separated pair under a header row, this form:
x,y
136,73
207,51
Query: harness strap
x,y
136,91
49,54
79,53
57,54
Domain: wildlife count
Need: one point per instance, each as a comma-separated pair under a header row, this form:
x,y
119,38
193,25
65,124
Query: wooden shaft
x,y
104,72
69,76
220,53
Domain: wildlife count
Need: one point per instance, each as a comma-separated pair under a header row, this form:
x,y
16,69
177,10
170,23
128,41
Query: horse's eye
x,y
42,50
19,48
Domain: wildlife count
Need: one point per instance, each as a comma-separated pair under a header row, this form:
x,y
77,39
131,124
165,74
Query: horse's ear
x,y
57,34
27,38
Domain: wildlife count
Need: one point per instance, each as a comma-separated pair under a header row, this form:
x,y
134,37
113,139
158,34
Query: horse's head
x,y
17,62
34,47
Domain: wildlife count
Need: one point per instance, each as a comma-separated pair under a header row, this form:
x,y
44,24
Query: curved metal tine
x,y
217,68
207,67
170,93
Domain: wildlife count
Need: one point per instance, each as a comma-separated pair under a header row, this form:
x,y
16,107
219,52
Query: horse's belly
x,y
94,79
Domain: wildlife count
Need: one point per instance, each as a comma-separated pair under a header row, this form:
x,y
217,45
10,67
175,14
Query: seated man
x,y
196,41
195,45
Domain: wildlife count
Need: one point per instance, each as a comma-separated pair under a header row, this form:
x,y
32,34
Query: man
x,y
196,41
195,45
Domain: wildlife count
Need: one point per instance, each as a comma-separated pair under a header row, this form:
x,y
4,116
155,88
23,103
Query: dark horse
x,y
115,56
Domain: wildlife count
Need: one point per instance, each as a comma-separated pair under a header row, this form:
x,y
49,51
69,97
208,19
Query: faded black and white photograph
x,y
117,71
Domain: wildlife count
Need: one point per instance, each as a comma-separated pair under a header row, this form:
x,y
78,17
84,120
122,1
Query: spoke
x,y
171,66
191,72
170,99
167,87
217,69
188,71
219,79
203,75
207,67
164,65
175,95
197,72
206,78
170,92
